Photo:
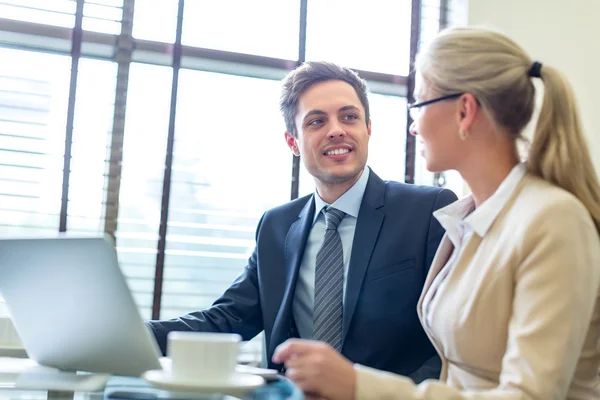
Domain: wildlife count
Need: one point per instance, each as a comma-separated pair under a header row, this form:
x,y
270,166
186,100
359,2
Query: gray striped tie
x,y
329,283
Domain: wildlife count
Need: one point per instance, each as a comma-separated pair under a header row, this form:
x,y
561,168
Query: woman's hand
x,y
317,369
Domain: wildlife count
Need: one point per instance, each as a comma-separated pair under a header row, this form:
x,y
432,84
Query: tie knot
x,y
333,217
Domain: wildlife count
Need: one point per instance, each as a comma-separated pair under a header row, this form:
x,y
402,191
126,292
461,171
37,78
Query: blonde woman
x,y
511,301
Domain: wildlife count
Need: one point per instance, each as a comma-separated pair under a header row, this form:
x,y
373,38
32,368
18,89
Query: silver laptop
x,y
71,305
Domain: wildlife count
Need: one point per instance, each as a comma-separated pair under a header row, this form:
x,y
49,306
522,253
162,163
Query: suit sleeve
x,y
238,310
432,367
555,292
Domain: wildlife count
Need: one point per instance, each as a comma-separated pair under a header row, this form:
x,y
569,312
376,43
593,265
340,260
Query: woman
x,y
512,297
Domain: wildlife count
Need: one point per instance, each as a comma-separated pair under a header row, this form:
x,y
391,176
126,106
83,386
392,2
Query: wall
x,y
561,33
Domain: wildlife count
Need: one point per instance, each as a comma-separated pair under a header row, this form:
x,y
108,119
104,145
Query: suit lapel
x,y
368,224
295,242
440,259
442,256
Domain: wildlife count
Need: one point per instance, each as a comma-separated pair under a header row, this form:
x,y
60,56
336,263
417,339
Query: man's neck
x,y
330,192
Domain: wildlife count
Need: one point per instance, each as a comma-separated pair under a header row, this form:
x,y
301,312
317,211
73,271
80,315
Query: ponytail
x,y
558,152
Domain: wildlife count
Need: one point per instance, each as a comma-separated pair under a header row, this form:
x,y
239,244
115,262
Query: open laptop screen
x,y
71,305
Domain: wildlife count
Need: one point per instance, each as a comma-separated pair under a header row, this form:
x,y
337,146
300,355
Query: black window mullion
x,y
443,14
75,56
123,57
302,32
301,59
164,211
415,33
439,178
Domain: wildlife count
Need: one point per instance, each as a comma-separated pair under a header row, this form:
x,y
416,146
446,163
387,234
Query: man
x,y
346,265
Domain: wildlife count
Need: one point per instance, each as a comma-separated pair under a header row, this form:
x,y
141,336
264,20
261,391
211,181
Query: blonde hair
x,y
495,70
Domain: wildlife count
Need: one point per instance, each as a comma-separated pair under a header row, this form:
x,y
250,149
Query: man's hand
x,y
317,369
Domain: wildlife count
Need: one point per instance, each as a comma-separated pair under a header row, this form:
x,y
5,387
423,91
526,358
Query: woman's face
x,y
436,125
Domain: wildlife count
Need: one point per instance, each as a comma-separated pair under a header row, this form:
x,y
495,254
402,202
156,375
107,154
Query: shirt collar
x,y
350,201
451,218
480,219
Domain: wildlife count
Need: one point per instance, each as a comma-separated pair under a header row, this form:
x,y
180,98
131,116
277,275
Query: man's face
x,y
333,135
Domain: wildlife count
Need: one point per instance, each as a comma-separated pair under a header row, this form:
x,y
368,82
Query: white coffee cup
x,y
202,357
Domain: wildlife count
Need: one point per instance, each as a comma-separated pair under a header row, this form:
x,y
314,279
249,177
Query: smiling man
x,y
345,265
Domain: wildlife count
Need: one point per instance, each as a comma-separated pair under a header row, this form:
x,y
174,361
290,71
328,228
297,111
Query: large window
x,y
34,90
261,27
169,123
369,35
92,126
140,194
227,142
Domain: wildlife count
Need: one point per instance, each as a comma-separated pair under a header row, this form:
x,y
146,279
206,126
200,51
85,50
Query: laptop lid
x,y
71,305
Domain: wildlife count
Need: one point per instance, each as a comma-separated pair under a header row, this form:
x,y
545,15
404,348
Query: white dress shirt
x,y
304,296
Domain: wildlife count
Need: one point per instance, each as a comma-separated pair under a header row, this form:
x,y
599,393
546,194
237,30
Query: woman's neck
x,y
485,171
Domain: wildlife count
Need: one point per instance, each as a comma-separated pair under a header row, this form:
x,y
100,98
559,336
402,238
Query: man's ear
x,y
468,108
292,143
369,128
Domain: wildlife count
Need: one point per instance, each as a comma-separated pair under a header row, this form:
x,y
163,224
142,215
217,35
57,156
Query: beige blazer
x,y
519,315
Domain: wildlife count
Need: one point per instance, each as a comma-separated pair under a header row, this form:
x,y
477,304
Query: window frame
x,y
124,49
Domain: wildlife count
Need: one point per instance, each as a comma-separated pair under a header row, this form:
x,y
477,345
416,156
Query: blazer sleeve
x,y
238,310
555,292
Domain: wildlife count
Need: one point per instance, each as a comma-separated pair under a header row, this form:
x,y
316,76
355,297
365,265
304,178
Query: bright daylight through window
x,y
114,121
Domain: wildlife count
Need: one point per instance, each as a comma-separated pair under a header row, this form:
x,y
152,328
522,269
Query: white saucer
x,y
238,384
268,374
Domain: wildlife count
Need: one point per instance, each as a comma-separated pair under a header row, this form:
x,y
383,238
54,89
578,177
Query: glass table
x,y
12,370
122,388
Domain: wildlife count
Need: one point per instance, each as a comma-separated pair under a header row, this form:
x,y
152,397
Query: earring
x,y
462,134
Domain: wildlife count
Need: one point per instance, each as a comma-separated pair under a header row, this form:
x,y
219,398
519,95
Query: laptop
x,y
71,305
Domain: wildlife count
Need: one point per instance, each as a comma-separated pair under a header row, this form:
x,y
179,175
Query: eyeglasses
x,y
414,109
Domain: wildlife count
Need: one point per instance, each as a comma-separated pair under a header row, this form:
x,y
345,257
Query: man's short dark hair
x,y
306,75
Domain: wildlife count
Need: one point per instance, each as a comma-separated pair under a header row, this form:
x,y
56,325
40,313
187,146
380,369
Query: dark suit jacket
x,y
395,240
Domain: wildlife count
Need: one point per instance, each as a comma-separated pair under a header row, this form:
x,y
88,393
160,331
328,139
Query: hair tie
x,y
536,70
